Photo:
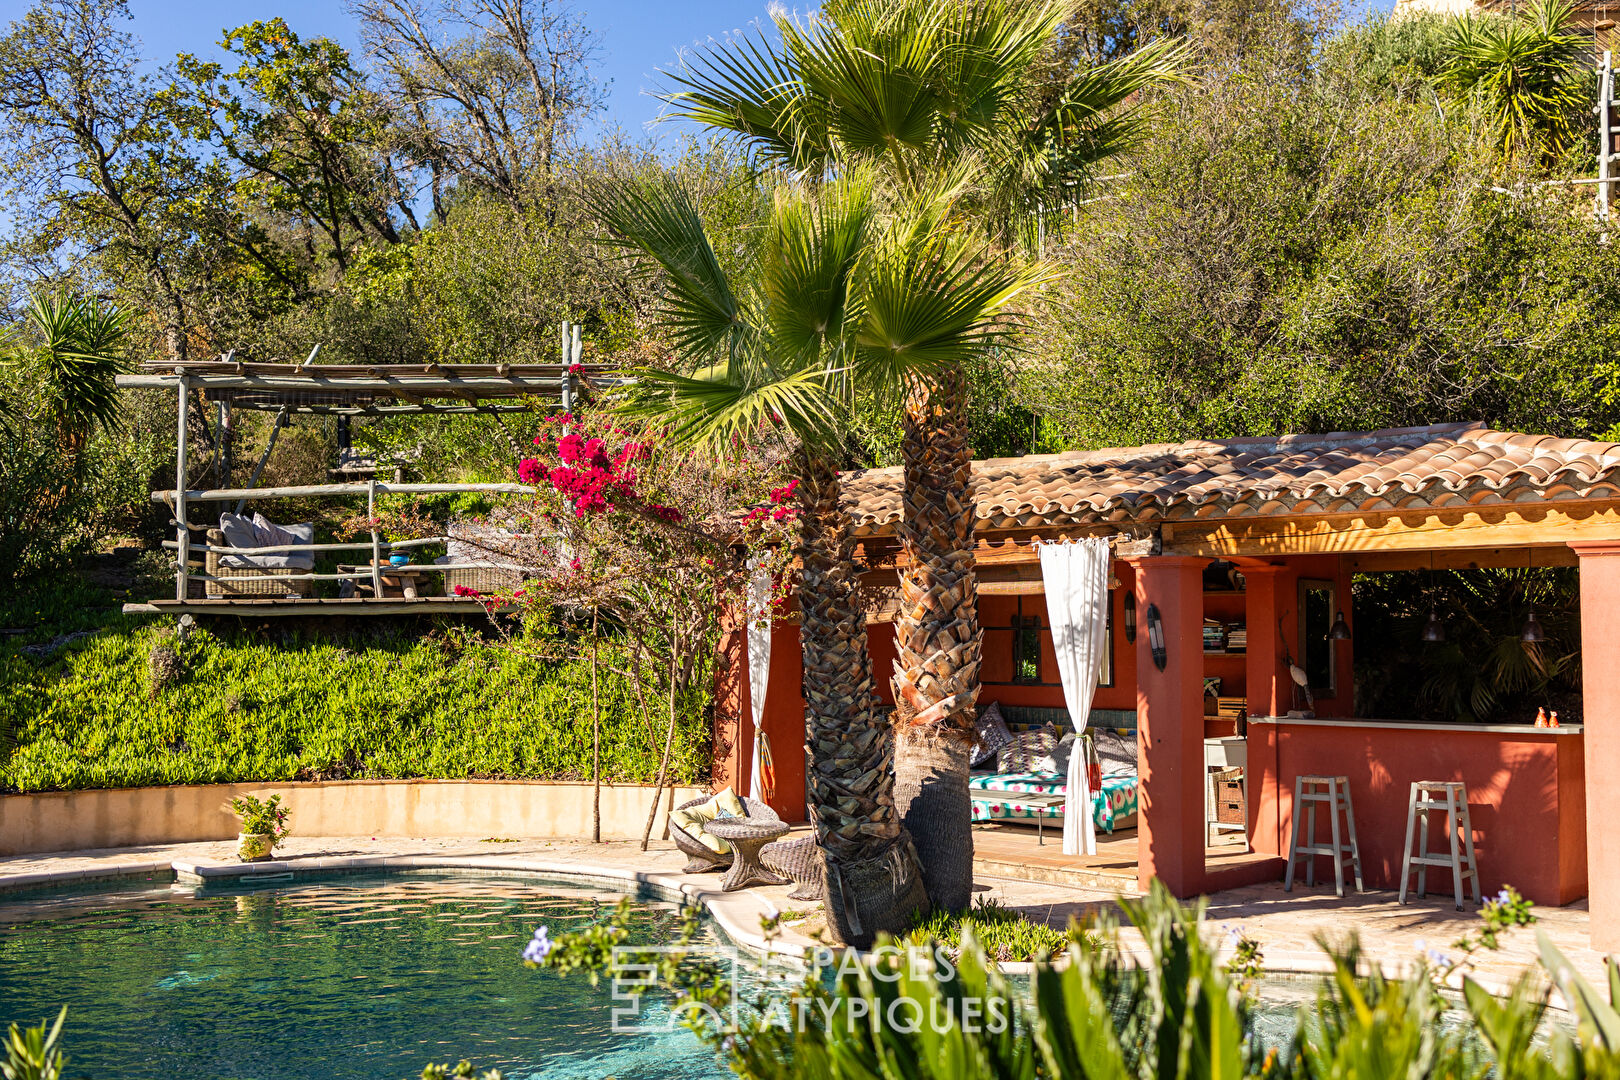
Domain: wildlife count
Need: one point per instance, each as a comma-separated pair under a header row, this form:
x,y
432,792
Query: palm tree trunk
x,y
873,880
937,640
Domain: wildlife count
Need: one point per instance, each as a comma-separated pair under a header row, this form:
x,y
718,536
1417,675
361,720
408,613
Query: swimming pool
x,y
362,977
356,977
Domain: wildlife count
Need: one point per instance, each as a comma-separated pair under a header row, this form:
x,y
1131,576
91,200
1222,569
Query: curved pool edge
x,y
737,915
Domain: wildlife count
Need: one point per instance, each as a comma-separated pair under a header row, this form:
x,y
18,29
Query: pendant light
x,y
1434,631
1340,630
1532,629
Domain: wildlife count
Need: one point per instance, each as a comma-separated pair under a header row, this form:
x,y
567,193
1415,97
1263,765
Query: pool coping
x,y
736,914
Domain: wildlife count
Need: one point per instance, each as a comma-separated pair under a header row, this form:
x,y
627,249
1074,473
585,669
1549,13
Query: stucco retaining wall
x,y
131,817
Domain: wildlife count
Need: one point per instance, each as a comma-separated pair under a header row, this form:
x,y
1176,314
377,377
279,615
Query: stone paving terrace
x,y
1285,924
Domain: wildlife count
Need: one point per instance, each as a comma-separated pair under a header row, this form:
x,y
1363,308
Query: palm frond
x,y
931,300
747,87
815,245
658,219
710,412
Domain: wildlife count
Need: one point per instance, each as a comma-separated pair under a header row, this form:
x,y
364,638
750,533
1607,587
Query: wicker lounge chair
x,y
800,860
258,575
701,859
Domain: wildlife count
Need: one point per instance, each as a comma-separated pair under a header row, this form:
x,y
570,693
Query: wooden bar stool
x,y
1452,797
1335,791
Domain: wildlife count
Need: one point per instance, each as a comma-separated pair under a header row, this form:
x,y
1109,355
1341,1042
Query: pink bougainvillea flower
x,y
575,564
464,590
530,471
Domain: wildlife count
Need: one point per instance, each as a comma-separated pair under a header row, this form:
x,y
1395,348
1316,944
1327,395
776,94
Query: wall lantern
x,y
1434,631
1155,629
1340,630
1130,617
1532,629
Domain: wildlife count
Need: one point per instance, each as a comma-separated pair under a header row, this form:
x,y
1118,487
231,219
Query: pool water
x,y
351,978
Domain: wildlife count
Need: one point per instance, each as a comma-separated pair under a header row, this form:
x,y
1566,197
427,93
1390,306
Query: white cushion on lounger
x,y
247,535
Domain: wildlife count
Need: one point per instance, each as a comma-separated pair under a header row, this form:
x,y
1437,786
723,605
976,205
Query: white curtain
x,y
759,665
1076,579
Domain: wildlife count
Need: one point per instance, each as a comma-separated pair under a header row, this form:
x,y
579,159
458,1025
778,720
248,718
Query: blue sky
x,y
637,36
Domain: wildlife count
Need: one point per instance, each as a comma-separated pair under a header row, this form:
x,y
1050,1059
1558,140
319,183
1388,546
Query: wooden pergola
x,y
344,391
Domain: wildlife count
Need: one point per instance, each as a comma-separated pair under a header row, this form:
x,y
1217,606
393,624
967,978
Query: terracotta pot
x,y
254,847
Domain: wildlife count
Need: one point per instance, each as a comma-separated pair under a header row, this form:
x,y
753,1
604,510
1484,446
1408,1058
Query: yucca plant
x,y
1523,70
854,285
917,90
67,354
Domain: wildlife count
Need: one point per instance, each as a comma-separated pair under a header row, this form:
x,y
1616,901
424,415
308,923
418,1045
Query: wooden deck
x,y
259,607
1013,851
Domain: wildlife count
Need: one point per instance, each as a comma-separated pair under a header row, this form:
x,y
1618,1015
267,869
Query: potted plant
x,y
264,824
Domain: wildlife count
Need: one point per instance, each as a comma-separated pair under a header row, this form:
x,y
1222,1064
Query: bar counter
x,y
1526,793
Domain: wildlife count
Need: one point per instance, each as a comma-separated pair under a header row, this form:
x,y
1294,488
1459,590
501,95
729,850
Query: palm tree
x,y
919,89
69,355
848,290
1525,72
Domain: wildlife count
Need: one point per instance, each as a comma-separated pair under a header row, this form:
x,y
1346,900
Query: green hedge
x,y
246,706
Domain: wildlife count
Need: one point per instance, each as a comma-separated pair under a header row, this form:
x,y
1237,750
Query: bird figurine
x,y
1303,681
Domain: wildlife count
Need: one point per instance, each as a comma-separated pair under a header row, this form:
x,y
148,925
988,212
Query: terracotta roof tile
x,y
1305,474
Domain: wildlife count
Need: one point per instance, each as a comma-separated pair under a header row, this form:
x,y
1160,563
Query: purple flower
x,y
539,948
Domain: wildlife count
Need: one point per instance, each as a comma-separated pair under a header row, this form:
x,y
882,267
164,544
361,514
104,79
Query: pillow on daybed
x,y
1117,752
693,818
1058,760
259,531
993,735
1026,749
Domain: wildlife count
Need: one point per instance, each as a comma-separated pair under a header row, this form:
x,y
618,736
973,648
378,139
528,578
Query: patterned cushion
x,y
993,735
1023,751
1058,760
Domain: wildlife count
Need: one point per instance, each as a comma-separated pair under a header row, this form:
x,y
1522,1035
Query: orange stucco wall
x,y
1525,795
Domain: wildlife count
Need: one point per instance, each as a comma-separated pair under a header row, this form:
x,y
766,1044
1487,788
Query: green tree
x,y
100,181
1301,251
849,289
300,122
931,92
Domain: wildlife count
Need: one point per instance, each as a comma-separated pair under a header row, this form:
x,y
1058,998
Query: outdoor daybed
x,y
1003,796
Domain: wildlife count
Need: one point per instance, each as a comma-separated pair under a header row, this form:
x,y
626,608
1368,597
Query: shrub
x,y
1004,934
298,705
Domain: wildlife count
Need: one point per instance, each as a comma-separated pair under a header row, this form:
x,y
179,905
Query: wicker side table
x,y
746,836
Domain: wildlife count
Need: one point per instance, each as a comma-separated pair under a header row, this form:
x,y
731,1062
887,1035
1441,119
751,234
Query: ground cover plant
x,y
1005,934
228,704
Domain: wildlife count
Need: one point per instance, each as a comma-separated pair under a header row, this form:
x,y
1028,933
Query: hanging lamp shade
x,y
1532,629
1434,631
1340,630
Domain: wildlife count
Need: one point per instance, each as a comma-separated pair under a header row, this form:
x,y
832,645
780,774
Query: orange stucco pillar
x,y
733,722
1170,723
1268,690
1600,695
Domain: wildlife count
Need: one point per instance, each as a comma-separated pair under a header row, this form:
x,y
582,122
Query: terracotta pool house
x,y
1288,521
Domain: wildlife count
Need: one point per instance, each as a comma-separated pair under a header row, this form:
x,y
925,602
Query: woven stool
x,y
1452,797
798,860
1335,791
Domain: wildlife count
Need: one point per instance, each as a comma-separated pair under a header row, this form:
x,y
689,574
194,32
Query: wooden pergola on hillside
x,y
344,391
